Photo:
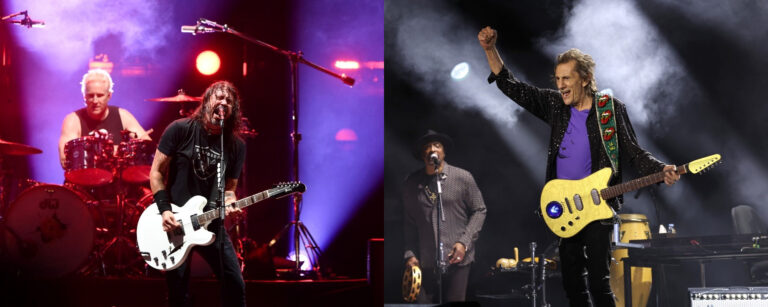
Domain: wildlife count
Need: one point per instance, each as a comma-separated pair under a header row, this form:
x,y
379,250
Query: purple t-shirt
x,y
573,160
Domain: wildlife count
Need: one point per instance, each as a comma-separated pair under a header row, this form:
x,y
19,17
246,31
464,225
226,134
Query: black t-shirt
x,y
194,154
113,124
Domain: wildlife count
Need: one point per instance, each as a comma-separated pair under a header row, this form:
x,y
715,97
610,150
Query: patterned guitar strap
x,y
607,123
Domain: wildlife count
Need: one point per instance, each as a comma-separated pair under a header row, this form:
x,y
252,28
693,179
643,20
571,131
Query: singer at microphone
x,y
440,195
434,159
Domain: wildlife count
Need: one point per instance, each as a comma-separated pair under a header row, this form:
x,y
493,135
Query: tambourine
x,y
411,283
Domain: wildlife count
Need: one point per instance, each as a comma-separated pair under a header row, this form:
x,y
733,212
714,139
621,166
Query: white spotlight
x,y
460,71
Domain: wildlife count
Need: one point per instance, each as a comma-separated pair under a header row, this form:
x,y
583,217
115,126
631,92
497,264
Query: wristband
x,y
162,200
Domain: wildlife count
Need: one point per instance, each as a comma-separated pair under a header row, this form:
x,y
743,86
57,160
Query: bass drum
x,y
633,227
49,232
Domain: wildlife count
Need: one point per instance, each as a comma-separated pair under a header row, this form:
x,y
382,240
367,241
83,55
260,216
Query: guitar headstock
x,y
286,188
703,164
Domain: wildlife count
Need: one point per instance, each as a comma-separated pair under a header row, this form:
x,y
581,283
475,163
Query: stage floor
x,y
81,291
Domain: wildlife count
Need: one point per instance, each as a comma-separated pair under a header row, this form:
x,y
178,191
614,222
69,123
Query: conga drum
x,y
633,227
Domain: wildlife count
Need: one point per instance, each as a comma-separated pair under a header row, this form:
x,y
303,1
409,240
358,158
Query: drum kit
x,y
87,225
50,230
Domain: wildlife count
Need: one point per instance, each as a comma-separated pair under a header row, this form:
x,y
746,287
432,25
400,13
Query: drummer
x,y
97,115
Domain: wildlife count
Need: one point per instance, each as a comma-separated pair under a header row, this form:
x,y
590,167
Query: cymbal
x,y
180,97
17,149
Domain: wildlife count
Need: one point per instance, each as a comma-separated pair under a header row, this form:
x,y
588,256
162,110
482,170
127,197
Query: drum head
x,y
49,232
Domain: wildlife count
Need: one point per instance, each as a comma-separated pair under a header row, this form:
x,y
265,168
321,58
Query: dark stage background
x,y
691,74
341,125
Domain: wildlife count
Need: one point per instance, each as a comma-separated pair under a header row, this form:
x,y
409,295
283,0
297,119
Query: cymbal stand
x,y
295,58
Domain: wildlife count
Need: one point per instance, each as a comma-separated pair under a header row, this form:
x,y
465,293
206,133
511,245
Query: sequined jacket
x,y
548,105
464,214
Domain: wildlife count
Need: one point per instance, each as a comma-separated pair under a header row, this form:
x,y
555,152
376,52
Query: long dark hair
x,y
232,123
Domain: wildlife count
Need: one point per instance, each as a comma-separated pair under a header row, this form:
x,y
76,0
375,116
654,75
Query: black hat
x,y
431,136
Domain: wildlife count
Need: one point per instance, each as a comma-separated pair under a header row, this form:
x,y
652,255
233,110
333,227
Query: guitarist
x,y
184,166
578,146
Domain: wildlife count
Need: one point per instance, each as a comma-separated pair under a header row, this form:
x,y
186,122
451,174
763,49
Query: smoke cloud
x,y
632,58
72,26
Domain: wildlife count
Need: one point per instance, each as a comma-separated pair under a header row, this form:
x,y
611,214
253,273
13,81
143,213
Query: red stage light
x,y
208,62
347,65
346,135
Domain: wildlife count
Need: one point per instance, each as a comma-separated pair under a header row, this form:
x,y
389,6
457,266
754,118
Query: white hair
x,y
96,72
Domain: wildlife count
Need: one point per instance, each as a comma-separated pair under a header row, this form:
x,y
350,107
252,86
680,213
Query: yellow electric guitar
x,y
569,205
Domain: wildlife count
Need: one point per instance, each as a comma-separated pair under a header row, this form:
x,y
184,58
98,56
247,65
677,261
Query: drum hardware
x,y
121,244
10,149
16,149
187,104
629,227
539,270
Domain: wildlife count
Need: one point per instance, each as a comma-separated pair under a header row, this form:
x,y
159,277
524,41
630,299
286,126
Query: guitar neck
x,y
211,215
636,184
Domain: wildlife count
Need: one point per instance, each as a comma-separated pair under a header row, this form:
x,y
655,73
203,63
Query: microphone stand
x,y
295,58
26,21
220,201
441,265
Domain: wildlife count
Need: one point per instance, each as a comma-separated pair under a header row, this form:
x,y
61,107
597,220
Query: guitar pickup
x,y
568,204
577,200
595,197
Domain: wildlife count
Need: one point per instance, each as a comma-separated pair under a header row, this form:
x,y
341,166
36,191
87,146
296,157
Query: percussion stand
x,y
616,238
300,233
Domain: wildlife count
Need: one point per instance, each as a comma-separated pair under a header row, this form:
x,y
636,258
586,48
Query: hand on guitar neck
x,y
170,223
670,174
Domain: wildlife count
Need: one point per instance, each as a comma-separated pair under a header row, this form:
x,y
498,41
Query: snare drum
x,y
633,227
89,161
136,159
49,232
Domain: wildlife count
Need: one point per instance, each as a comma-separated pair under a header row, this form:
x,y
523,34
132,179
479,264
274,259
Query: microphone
x,y
212,23
221,110
196,29
434,159
29,23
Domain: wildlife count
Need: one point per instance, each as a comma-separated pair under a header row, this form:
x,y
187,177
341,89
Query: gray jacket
x,y
464,214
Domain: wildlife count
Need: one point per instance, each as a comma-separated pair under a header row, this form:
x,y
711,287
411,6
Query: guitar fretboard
x,y
636,184
211,215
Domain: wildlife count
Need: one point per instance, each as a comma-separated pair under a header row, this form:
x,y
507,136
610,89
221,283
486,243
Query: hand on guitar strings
x,y
169,221
457,254
670,174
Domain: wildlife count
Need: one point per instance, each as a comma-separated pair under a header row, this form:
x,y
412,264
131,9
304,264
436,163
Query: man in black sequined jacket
x,y
464,216
575,151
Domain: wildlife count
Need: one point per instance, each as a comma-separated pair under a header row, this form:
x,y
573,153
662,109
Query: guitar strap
x,y
607,123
